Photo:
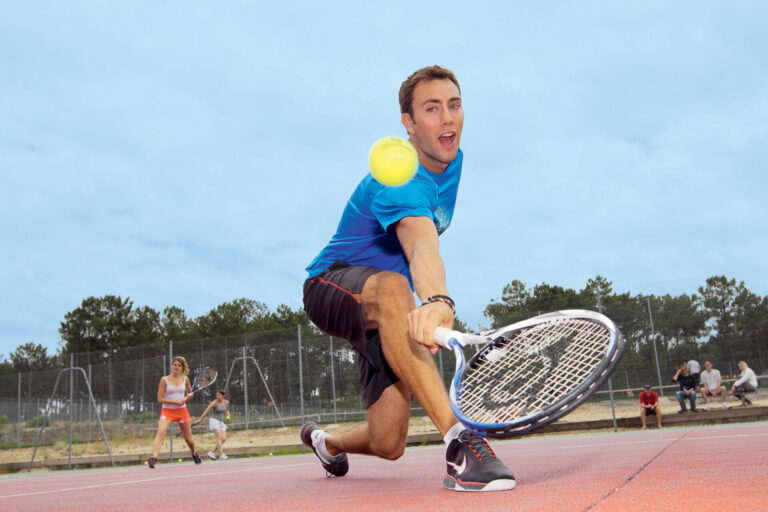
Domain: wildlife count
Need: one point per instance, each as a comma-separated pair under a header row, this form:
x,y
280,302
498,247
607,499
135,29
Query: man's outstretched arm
x,y
418,238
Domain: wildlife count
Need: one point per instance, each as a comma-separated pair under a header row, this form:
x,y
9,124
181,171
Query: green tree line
x,y
111,323
723,321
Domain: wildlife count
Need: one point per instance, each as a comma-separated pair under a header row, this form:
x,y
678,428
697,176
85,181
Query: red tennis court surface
x,y
704,468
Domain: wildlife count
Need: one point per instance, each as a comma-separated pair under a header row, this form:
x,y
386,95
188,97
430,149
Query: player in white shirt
x,y
711,385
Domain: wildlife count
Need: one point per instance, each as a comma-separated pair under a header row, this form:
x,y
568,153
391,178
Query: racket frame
x,y
456,341
192,391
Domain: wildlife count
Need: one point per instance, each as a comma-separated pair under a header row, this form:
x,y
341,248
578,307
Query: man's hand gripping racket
x,y
530,373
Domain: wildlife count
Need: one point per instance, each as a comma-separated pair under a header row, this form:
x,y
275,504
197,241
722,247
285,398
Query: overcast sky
x,y
192,153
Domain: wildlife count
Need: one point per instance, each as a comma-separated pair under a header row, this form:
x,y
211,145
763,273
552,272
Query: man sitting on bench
x,y
712,385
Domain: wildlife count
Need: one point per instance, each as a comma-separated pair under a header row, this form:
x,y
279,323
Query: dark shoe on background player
x,y
151,462
312,435
472,466
196,458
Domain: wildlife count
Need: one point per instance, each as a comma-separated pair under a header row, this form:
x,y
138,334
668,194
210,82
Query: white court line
x,y
127,482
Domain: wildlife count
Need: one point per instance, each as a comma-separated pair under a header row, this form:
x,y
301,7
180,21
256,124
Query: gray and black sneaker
x,y
196,458
472,466
311,434
151,461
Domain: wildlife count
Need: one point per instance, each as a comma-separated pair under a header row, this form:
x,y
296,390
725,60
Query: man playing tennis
x,y
361,288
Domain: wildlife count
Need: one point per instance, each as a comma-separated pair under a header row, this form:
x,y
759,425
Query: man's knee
x,y
390,448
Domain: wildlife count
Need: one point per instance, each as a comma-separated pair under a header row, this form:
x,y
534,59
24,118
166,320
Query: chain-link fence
x,y
281,377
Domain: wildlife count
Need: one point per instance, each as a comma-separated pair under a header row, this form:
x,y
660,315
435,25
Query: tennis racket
x,y
530,373
203,379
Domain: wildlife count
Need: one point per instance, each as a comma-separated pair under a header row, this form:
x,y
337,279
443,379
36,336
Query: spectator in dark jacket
x,y
687,388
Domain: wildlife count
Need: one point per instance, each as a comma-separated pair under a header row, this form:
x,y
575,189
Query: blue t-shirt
x,y
366,234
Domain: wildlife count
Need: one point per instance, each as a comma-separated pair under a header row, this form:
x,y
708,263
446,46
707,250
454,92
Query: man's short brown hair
x,y
428,73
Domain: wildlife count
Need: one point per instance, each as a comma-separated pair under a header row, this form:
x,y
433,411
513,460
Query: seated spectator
x,y
712,385
747,382
649,404
687,388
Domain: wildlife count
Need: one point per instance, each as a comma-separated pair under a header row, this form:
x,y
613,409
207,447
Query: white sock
x,y
318,441
453,433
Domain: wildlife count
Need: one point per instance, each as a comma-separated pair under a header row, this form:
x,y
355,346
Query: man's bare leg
x,y
471,464
386,301
385,430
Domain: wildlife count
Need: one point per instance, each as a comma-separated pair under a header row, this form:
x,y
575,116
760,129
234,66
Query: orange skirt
x,y
180,415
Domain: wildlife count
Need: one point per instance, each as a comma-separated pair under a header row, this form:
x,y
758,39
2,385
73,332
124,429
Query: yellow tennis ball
x,y
146,463
179,460
393,161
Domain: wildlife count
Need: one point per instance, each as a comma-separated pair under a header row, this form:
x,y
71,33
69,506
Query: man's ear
x,y
407,121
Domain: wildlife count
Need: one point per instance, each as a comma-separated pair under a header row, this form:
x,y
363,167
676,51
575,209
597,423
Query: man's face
x,y
647,391
436,124
708,366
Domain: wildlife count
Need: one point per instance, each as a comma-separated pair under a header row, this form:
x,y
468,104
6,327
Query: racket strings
x,y
205,378
528,371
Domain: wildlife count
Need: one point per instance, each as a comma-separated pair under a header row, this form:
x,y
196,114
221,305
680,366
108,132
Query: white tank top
x,y
175,393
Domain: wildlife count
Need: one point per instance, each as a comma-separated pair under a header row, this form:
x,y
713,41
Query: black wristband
x,y
441,298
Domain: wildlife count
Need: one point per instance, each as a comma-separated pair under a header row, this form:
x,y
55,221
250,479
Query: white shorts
x,y
214,424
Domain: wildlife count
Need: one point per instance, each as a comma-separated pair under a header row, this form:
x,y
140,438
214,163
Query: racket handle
x,y
443,335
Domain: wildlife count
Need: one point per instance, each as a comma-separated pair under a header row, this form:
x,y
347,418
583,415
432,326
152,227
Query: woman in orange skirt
x,y
173,393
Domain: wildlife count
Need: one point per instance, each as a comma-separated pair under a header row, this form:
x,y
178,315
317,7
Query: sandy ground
x,y
290,435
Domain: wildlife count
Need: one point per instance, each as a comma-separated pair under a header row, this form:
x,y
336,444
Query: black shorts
x,y
649,412
330,303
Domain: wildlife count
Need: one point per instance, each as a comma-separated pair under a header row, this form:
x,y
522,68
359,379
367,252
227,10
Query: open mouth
x,y
446,139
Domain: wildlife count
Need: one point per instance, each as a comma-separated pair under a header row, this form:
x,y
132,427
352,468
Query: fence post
x,y
245,389
655,352
301,378
71,408
170,366
90,409
18,417
333,383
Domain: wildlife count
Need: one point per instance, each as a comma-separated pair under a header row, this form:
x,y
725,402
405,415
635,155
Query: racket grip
x,y
442,335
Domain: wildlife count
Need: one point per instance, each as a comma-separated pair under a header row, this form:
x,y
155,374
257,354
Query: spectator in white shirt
x,y
746,382
712,385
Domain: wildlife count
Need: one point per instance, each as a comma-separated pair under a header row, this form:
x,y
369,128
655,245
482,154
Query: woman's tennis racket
x,y
531,373
203,379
